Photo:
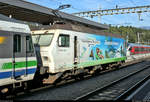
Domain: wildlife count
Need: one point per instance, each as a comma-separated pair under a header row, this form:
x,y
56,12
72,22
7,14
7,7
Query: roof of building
x,y
5,18
26,11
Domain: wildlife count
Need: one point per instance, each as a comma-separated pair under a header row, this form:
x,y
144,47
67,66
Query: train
x,y
18,61
52,53
65,50
137,51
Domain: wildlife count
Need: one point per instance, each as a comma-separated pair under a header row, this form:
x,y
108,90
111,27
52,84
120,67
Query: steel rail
x,y
92,93
128,92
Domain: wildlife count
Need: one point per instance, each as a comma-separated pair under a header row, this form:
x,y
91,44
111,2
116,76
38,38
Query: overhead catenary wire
x,y
136,5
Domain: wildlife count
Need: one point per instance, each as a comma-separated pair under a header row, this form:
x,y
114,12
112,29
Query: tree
x,y
131,32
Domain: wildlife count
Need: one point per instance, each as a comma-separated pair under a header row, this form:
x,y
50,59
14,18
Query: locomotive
x,y
65,50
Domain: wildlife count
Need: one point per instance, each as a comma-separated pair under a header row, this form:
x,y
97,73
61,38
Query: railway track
x,y
64,82
118,89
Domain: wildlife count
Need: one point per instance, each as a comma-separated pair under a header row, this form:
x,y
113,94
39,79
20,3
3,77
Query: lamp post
x,y
138,36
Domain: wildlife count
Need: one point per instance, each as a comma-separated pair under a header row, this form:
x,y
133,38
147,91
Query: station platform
x,y
142,93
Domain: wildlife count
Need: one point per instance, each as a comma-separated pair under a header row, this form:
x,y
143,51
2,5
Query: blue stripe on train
x,y
8,74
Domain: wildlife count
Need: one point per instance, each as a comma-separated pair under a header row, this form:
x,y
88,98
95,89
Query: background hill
x,y
132,33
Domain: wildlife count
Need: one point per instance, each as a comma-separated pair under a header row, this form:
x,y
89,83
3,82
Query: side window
x,y
29,45
17,43
63,40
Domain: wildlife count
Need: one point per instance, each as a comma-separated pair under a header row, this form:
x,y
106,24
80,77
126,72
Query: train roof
x,y
136,44
76,27
8,24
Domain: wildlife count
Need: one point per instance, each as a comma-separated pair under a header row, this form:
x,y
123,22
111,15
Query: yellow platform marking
x,y
2,39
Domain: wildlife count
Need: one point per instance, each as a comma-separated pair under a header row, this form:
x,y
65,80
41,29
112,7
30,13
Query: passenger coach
x,y
17,57
137,51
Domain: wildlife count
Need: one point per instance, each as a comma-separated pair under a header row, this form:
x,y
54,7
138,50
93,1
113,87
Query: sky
x,y
89,5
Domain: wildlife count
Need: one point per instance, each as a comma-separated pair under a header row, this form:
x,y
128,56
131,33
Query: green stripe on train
x,y
19,65
104,61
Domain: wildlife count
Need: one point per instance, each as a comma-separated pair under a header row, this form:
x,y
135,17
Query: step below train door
x,y
29,56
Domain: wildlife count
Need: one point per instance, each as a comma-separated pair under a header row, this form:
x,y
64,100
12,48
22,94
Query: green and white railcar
x,y
17,57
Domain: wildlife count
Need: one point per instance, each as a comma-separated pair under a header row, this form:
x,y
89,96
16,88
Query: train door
x,y
64,53
19,57
29,53
76,50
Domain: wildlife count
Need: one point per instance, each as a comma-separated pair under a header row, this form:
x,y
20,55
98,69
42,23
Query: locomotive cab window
x,y
63,40
17,43
43,39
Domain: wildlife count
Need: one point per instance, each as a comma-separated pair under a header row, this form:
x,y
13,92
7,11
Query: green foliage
x,y
131,32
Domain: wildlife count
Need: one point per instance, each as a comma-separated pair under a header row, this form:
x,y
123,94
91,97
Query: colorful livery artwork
x,y
97,47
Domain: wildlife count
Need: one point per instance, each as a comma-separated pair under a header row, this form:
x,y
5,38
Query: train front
x,y
43,42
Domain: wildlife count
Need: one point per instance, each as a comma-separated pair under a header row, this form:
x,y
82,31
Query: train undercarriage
x,y
79,73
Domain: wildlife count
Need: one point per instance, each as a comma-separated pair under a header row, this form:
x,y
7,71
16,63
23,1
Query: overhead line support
x,y
137,9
